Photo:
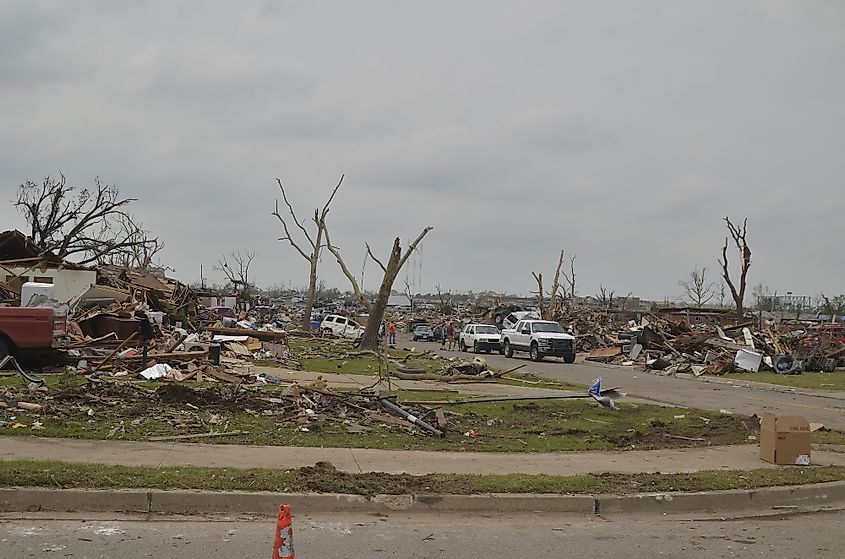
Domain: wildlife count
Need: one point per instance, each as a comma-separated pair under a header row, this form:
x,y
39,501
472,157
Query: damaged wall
x,y
68,284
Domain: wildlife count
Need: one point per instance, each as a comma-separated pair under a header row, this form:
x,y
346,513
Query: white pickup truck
x,y
539,338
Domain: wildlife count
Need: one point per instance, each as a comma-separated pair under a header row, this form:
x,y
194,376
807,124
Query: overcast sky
x,y
621,131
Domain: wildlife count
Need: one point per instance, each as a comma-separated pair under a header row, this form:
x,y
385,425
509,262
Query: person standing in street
x,y
450,331
391,333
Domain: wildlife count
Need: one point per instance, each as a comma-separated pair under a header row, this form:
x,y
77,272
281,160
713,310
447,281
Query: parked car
x,y
31,328
423,332
539,338
480,337
412,325
341,326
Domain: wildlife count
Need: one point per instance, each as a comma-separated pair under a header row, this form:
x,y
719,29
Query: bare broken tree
x,y
605,297
85,225
569,279
445,299
391,270
138,256
737,292
409,294
314,241
238,271
832,306
698,290
546,313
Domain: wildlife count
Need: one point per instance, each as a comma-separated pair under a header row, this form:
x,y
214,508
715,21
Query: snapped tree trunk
x,y
391,270
309,297
376,309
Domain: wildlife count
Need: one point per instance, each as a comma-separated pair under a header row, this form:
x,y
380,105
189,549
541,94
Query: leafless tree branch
x,y
738,234
376,260
311,253
697,289
90,225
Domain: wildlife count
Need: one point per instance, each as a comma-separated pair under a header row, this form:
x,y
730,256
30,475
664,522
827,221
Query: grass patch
x,y
814,381
829,437
530,426
324,478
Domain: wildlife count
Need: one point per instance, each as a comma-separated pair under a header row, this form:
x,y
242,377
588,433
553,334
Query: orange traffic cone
x,y
283,541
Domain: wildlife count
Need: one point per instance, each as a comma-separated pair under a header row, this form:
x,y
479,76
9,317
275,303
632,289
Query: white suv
x,y
480,337
341,326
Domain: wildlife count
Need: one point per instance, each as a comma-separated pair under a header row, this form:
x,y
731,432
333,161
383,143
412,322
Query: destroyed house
x,y
21,261
698,315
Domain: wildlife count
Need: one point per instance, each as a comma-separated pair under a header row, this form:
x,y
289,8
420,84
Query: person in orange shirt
x,y
391,333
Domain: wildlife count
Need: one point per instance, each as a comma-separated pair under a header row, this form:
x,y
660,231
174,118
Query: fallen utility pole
x,y
604,392
402,412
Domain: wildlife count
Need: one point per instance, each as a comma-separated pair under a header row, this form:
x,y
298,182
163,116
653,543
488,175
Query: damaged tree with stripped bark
x,y
738,234
547,312
391,269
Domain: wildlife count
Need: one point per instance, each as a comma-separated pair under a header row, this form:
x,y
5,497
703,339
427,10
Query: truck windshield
x,y
548,327
486,330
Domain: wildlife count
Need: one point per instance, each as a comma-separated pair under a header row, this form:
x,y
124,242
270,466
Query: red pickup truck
x,y
31,328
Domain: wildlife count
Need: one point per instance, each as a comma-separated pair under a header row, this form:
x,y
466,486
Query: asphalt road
x,y
822,407
816,535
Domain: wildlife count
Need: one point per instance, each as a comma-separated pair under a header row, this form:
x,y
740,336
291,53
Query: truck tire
x,y
569,358
535,352
508,350
463,346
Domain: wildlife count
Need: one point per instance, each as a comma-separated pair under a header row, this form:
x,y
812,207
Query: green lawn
x,y
526,426
815,381
323,478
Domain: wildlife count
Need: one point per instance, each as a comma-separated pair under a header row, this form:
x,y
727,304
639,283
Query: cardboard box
x,y
785,439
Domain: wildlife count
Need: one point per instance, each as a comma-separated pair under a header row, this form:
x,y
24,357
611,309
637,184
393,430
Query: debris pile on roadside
x,y
452,370
677,347
186,412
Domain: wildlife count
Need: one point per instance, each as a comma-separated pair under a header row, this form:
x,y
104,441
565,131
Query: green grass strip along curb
x,y
324,478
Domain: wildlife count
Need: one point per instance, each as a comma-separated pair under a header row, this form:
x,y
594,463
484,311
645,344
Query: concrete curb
x,y
235,502
204,502
823,494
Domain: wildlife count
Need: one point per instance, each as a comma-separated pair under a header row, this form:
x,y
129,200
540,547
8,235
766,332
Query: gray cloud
x,y
623,133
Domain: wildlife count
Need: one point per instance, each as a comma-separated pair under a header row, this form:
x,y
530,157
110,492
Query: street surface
x,y
327,536
821,407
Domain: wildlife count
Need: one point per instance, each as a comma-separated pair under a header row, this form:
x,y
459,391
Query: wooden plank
x,y
220,375
604,352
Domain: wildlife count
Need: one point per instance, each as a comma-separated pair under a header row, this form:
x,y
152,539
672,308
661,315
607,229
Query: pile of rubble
x,y
673,347
129,409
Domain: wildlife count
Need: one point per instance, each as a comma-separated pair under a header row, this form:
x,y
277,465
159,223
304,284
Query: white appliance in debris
x,y
36,294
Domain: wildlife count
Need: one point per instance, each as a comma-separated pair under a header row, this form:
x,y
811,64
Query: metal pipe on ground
x,y
405,414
